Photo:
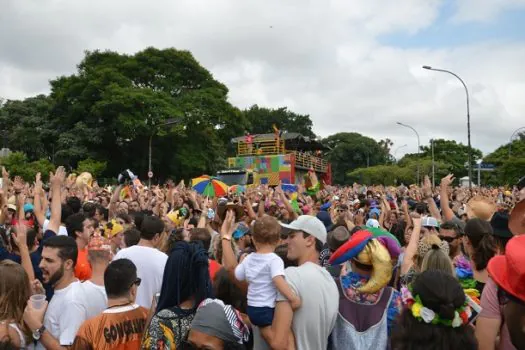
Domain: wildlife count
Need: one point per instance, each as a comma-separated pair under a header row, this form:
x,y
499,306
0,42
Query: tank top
x,y
360,326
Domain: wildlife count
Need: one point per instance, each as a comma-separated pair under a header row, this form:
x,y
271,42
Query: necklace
x,y
119,305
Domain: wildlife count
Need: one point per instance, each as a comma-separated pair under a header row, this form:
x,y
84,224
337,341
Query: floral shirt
x,y
351,281
167,330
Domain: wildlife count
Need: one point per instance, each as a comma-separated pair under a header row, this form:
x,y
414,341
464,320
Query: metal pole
x,y
367,159
149,161
468,120
418,148
479,175
433,165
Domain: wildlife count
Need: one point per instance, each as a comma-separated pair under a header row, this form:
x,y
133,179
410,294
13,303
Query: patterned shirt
x,y
168,330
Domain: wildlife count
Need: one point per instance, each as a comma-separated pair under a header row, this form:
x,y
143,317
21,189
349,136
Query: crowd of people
x,y
317,267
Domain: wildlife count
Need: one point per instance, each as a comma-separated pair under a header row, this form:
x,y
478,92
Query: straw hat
x,y
517,219
480,207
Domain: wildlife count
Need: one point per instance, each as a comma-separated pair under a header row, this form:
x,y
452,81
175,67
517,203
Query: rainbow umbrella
x,y
237,189
209,186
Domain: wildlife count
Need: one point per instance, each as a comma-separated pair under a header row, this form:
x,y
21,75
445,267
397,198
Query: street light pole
x,y
512,136
397,149
433,165
418,147
468,120
150,169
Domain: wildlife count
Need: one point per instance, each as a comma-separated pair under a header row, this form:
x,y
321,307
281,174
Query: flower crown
x,y
422,313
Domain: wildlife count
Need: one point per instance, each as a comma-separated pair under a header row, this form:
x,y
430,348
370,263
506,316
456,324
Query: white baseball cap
x,y
309,224
372,223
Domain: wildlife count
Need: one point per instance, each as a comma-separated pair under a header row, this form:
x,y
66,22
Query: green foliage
x,y
453,153
94,167
349,151
261,121
18,165
399,174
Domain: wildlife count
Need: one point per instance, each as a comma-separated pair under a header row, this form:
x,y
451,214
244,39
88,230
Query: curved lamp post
x,y
397,149
512,136
418,146
468,120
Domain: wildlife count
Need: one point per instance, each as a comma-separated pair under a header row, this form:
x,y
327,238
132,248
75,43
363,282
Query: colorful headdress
x,y
422,313
366,250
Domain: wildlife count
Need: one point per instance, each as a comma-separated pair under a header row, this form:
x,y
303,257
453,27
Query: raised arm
x,y
20,239
113,202
411,249
56,180
448,214
427,194
39,209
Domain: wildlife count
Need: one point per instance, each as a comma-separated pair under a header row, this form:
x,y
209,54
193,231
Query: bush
x,y
17,165
94,167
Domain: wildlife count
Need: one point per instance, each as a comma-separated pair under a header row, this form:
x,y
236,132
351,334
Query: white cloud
x,y
484,10
317,57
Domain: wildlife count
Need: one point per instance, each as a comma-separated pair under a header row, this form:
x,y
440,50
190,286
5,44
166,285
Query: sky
x,y
352,65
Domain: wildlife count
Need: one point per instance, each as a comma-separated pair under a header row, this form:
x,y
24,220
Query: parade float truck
x,y
275,158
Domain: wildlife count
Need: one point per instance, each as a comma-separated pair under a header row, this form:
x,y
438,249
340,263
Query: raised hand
x,y
228,226
58,178
18,184
20,237
447,180
427,187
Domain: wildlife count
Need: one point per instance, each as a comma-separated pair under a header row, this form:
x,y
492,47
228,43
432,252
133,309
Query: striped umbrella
x,y
237,189
209,186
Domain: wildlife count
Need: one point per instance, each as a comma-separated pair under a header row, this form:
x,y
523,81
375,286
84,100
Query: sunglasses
x,y
136,282
448,239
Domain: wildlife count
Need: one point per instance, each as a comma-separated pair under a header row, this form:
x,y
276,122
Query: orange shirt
x,y
83,267
116,328
213,268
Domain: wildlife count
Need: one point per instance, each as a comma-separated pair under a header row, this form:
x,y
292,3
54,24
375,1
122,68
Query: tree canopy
x,y
103,117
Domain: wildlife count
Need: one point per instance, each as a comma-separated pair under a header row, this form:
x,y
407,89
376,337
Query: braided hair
x,y
185,276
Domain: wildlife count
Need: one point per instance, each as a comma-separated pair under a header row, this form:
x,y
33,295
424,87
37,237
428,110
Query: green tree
x,y
111,107
448,151
349,151
18,164
261,121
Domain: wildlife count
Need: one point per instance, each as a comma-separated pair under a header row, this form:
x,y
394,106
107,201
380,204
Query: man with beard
x,y
67,309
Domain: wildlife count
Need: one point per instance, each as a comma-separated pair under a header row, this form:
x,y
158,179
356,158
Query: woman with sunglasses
x,y
186,283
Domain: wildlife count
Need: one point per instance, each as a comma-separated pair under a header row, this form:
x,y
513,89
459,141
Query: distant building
x,y
4,152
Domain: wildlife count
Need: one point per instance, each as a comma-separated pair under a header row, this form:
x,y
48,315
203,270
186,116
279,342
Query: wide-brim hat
x,y
500,225
517,219
481,207
508,271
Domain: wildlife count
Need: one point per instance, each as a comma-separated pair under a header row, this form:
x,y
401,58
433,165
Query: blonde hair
x,y
15,291
427,244
437,259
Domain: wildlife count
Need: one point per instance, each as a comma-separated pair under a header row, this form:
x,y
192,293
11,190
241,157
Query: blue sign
x,y
486,166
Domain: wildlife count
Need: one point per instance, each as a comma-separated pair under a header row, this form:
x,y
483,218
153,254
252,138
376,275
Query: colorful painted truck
x,y
274,158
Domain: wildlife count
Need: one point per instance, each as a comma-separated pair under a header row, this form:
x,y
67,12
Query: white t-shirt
x,y
259,270
65,313
97,300
150,263
315,320
61,230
